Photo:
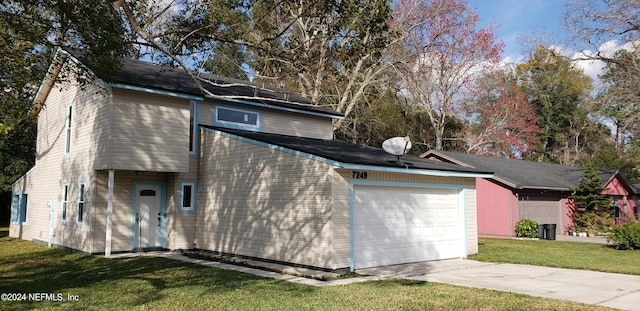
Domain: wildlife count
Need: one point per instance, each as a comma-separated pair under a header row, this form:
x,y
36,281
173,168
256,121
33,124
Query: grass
x,y
146,283
572,255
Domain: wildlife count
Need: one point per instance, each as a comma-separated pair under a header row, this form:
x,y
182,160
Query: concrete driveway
x,y
605,289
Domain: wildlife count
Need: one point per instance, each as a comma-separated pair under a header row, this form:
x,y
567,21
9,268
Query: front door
x,y
148,215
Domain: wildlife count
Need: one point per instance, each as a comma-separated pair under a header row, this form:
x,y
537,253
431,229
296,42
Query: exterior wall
x,y
149,133
497,209
181,226
341,200
624,198
260,202
54,167
287,123
122,226
279,122
619,193
567,212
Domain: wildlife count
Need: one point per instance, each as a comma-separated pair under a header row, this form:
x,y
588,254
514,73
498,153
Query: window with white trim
x,y
82,193
68,129
245,119
187,196
65,201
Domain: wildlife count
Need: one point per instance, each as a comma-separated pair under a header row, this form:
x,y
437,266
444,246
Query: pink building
x,y
524,189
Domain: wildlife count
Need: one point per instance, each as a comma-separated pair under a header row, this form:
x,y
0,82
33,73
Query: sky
x,y
517,19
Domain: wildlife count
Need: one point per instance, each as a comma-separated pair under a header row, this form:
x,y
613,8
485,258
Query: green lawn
x,y
560,254
145,283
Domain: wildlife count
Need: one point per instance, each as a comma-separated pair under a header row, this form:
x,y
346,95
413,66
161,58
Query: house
x,y
150,161
524,189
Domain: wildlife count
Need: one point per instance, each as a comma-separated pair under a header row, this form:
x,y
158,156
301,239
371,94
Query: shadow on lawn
x,y
4,232
134,281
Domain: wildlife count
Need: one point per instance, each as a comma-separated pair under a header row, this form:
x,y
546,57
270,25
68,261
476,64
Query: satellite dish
x,y
397,145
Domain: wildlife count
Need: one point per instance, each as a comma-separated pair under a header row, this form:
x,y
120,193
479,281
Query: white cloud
x,y
595,68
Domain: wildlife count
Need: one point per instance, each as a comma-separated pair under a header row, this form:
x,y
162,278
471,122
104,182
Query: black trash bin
x,y
550,231
540,231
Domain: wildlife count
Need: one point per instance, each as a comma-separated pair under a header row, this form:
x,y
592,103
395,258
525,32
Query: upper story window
x,y
193,128
68,129
238,118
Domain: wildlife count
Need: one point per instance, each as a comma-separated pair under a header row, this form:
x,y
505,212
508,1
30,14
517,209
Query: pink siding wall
x,y
567,211
616,188
497,209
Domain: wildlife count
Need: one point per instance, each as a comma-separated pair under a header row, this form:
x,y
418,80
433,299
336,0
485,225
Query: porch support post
x,y
107,249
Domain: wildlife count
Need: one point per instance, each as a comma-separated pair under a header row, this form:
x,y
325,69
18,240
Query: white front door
x,y
148,216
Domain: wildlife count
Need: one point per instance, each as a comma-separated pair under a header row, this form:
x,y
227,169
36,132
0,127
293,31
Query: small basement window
x,y
244,119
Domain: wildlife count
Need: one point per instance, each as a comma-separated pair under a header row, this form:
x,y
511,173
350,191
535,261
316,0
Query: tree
x,y
326,50
620,101
500,121
441,52
330,51
30,32
557,89
598,22
384,115
591,209
612,29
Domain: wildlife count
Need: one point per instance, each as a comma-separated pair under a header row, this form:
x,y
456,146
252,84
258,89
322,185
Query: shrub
x,y
527,228
626,235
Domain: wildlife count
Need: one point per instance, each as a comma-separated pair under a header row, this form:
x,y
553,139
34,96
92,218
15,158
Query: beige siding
x,y
53,167
340,215
259,202
280,122
149,132
287,123
181,227
122,208
340,219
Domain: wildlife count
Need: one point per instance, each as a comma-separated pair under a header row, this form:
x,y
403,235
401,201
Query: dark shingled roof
x,y
348,153
521,174
148,75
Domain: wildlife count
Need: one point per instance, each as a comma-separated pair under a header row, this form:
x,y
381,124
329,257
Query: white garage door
x,y
393,225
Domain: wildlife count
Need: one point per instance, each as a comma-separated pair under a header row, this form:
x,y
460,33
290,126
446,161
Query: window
x,y
23,208
147,193
616,209
68,129
193,128
187,196
19,208
635,209
245,119
82,193
65,200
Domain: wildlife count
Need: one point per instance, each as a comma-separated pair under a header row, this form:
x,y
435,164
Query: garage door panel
x,y
542,209
394,225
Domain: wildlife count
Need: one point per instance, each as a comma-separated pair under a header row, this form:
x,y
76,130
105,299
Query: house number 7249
x,y
359,175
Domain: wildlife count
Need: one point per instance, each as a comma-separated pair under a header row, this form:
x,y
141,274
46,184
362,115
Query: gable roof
x,y
348,155
145,76
521,174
